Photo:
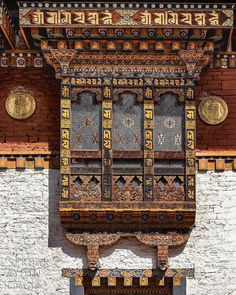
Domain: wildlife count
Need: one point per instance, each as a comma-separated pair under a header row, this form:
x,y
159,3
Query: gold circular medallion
x,y
213,110
20,104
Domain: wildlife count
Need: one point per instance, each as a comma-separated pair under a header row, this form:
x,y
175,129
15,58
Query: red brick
x,y
223,78
44,122
33,139
229,72
222,136
41,131
229,84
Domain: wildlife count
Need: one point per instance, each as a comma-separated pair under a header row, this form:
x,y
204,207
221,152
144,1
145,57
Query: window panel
x,y
128,123
169,124
86,122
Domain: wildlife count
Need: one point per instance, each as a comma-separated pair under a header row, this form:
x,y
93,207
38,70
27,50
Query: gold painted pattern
x,y
126,17
65,139
20,104
213,110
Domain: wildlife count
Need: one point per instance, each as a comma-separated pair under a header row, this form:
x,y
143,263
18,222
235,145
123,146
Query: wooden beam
x,y
25,38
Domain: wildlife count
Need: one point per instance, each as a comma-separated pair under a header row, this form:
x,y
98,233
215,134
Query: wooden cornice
x,y
199,153
215,153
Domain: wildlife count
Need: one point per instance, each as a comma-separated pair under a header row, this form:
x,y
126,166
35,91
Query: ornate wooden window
x,y
127,147
128,75
127,157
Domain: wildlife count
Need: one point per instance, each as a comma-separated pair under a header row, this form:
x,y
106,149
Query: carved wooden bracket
x,y
93,256
93,242
60,59
163,242
64,59
195,61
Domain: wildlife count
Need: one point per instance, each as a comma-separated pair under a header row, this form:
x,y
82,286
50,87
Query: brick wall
x,y
221,82
41,130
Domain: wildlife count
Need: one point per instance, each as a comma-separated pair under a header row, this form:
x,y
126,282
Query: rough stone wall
x,y
33,249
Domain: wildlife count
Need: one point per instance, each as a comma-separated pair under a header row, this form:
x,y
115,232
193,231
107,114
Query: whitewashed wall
x,y
33,249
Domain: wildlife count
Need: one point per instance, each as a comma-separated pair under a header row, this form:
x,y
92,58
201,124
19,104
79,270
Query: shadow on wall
x,y
56,237
173,252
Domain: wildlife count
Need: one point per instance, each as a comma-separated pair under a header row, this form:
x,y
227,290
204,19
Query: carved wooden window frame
x,y
142,215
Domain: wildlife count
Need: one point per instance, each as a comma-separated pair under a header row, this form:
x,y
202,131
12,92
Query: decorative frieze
x,y
205,161
133,17
121,45
140,5
216,164
21,59
224,60
33,161
113,274
161,64
25,58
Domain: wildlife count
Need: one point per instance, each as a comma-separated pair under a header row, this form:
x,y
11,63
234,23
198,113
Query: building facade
x,y
118,148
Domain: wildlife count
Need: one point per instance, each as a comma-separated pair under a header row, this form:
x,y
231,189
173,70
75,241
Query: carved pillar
x,y
148,140
107,140
162,256
93,256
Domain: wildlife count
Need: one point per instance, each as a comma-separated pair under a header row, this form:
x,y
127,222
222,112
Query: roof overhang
x,y
61,21
7,27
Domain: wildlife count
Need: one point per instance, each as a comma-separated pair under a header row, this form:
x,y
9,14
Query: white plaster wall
x,y
33,249
211,249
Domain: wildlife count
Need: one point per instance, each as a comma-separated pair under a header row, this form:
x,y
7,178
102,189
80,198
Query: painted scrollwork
x,y
60,58
163,242
127,188
86,188
78,90
195,61
169,188
117,92
93,242
176,91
